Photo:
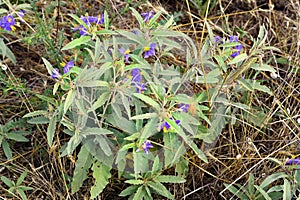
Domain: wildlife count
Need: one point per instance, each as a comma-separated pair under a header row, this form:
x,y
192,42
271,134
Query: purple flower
x,y
21,13
146,146
141,87
136,75
125,53
82,30
90,19
137,80
183,107
55,73
149,51
233,38
166,126
147,15
238,48
293,161
217,39
8,22
68,66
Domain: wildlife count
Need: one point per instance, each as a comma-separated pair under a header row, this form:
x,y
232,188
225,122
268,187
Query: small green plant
x,y
16,189
274,187
9,132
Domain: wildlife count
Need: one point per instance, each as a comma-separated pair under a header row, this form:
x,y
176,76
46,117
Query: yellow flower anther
x,y
13,28
62,64
146,48
127,51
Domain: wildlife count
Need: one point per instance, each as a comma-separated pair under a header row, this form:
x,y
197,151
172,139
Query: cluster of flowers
x,y
8,22
234,38
293,161
165,127
67,66
88,20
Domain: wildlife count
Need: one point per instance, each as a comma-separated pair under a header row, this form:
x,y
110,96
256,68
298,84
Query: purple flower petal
x,y
55,73
147,15
68,66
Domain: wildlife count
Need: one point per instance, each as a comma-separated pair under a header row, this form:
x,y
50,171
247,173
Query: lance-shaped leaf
x,y
82,165
77,42
101,173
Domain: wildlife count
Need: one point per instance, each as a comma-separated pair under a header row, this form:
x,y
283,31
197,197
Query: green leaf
x,y
264,193
147,100
128,191
77,42
22,194
82,165
236,192
154,18
137,16
297,176
238,59
6,52
263,67
7,181
48,66
38,120
199,153
140,193
16,137
51,130
47,99
182,168
287,191
160,189
149,130
270,179
144,116
7,150
69,100
135,182
156,167
173,150
94,83
251,184
21,178
36,113
100,101
262,88
103,144
170,179
101,173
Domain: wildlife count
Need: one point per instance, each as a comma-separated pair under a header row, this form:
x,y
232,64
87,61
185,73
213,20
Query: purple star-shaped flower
x,y
217,39
146,146
166,126
7,22
21,13
149,51
137,80
68,66
183,107
125,53
233,38
90,19
82,30
55,73
293,161
147,15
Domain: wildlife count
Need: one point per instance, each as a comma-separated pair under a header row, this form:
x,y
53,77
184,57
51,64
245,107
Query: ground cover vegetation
x,y
149,99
